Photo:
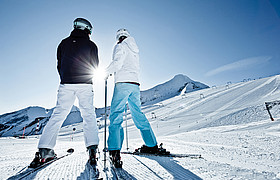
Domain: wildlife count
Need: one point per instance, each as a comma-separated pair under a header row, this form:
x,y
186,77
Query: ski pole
x,y
126,127
105,124
267,108
23,132
74,129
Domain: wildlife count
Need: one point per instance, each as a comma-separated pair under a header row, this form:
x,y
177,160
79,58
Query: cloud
x,y
249,62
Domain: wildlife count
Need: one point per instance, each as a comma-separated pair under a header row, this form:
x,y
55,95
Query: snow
x,y
229,126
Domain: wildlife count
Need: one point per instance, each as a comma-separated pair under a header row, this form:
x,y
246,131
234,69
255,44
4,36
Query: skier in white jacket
x,y
125,67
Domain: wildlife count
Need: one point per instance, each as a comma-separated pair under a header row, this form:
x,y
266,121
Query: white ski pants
x,y
66,96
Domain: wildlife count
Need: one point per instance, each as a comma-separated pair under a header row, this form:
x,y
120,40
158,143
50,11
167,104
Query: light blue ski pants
x,y
126,92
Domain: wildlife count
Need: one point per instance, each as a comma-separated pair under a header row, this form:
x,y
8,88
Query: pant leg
x,y
139,117
116,134
65,101
85,96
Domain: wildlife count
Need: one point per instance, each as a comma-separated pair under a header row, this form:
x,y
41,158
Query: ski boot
x,y
152,150
162,150
44,155
92,155
115,157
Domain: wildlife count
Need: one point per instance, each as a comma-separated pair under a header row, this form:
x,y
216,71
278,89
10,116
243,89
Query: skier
x,y
77,59
125,66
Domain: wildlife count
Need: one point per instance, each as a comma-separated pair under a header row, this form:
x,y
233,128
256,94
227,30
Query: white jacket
x,y
125,64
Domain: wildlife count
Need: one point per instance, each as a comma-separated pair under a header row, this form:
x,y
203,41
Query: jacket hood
x,y
131,44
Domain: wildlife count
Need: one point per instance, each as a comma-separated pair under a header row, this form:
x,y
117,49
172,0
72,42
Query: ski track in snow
x,y
229,127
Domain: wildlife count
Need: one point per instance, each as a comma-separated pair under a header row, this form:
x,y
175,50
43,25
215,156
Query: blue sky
x,y
213,42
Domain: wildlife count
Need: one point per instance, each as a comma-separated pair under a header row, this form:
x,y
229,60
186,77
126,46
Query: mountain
x,y
177,85
14,123
25,120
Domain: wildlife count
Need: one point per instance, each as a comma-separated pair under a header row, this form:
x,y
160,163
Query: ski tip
x,y
71,150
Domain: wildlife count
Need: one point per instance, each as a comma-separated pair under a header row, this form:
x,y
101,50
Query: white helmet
x,y
122,32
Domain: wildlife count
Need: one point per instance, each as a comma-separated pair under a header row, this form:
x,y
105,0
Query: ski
x,y
119,173
192,156
94,172
26,171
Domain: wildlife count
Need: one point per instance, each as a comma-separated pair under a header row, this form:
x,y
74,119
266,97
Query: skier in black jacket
x,y
77,59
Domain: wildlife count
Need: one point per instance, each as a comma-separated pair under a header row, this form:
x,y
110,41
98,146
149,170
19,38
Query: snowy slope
x,y
227,125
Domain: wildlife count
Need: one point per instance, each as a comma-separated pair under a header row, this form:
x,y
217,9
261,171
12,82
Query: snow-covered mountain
x,y
14,123
25,120
177,85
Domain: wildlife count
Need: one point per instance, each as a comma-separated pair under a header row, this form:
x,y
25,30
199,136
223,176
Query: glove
x,y
107,76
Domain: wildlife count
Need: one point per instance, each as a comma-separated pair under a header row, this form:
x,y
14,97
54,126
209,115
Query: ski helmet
x,y
83,24
122,32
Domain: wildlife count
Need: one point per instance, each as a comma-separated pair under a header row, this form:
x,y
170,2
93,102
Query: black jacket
x,y
77,58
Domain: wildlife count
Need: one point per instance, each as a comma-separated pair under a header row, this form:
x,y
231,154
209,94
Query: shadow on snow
x,y
177,171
